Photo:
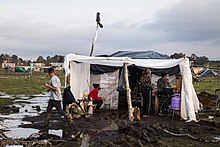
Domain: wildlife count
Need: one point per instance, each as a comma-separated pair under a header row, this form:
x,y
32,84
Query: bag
x,y
68,96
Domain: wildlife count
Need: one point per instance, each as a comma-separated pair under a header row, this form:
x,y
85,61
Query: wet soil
x,y
26,127
113,129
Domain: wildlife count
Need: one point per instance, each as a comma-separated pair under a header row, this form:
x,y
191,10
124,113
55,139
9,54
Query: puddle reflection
x,y
27,107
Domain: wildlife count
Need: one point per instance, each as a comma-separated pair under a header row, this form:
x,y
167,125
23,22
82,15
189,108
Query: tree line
x,y
198,60
19,61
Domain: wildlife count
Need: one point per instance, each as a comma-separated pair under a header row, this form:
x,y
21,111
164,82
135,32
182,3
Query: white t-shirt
x,y
55,94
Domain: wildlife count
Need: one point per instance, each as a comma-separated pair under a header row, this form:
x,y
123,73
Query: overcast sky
x,y
30,28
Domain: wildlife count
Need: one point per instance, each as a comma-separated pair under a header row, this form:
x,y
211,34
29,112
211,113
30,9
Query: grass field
x,y
207,84
24,84
4,102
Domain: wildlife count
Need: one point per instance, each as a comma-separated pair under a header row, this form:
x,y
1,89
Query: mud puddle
x,y
25,106
217,138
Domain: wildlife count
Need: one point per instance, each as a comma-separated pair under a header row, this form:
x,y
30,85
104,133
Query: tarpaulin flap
x,y
171,71
100,69
140,55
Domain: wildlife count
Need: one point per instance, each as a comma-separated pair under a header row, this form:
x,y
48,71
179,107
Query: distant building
x,y
57,66
37,64
5,64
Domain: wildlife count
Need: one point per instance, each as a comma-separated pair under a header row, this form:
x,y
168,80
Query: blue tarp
x,y
140,55
207,72
99,69
7,67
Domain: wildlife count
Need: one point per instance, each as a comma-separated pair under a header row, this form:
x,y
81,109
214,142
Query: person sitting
x,y
95,98
164,100
163,83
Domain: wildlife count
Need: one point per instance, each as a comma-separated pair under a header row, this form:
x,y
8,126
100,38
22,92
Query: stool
x,y
174,110
164,102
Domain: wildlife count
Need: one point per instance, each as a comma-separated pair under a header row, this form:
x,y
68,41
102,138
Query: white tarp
x,y
189,100
109,84
79,79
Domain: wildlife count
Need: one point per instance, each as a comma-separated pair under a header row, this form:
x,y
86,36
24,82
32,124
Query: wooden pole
x,y
128,92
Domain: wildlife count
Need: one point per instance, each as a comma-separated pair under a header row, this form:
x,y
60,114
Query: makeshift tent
x,y
156,73
196,70
207,72
28,70
7,67
19,69
78,67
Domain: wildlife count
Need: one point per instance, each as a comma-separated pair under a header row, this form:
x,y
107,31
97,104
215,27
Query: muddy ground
x,y
113,129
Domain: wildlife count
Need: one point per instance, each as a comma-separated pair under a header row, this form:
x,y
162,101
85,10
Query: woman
x,y
146,90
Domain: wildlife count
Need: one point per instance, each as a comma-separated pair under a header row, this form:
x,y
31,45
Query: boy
x,y
95,98
55,97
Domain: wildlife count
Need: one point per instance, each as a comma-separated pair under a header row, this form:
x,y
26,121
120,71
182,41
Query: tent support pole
x,y
128,92
65,81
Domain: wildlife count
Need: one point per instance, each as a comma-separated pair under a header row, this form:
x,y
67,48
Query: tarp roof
x,y
140,55
119,61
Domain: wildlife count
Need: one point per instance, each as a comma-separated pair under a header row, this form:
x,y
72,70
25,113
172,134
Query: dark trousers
x,y
146,94
57,105
98,103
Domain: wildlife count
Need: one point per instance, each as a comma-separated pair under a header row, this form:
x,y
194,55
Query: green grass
x,y
207,84
4,101
24,84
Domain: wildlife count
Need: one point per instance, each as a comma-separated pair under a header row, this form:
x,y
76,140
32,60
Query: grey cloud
x,y
189,26
188,21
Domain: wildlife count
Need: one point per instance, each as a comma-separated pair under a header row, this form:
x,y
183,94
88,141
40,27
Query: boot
x,y
69,118
47,120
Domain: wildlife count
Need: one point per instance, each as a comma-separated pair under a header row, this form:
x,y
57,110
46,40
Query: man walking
x,y
55,97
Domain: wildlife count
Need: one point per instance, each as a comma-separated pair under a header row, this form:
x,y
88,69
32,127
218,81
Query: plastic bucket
x,y
107,107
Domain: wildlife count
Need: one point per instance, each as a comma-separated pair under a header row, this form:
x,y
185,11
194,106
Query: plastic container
x,y
107,107
90,111
176,102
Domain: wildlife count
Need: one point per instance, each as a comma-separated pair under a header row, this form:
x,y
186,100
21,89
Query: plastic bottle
x,y
90,110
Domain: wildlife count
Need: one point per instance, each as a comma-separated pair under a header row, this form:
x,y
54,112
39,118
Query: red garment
x,y
94,94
